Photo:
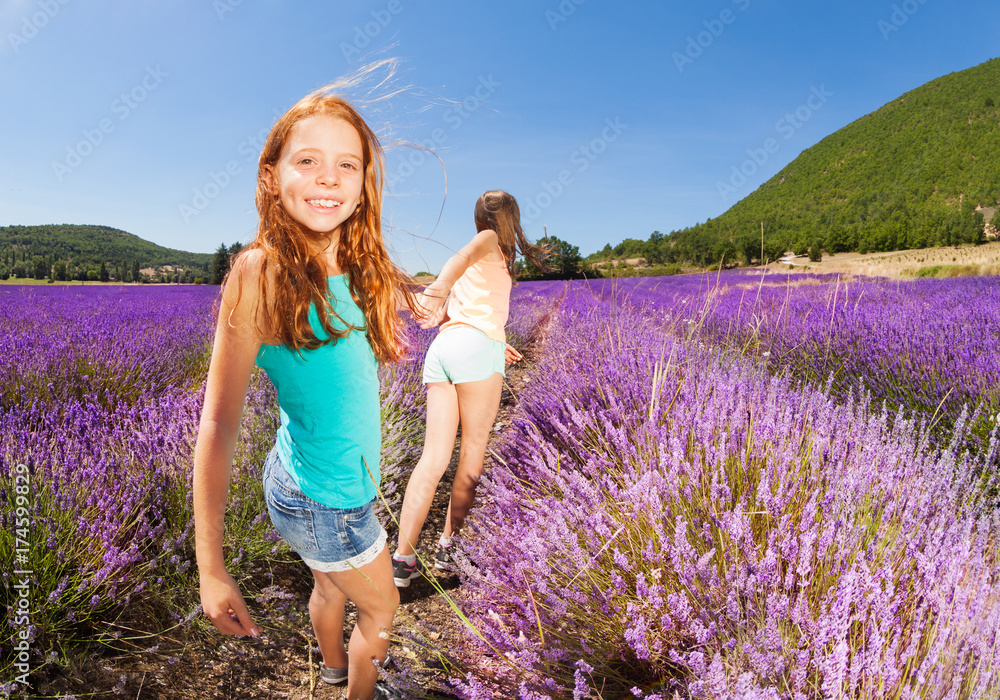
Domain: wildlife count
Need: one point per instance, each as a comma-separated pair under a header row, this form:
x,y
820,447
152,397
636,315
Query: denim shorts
x,y
327,539
463,354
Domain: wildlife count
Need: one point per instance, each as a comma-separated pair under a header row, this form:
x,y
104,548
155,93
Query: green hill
x,y
70,251
911,174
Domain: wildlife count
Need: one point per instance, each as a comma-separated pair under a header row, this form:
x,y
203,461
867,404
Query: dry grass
x,y
951,261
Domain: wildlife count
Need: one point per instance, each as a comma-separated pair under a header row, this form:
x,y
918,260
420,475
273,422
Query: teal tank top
x,y
328,403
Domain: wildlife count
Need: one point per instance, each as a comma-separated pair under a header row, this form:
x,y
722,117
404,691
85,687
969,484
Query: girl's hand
x,y
223,602
434,309
510,355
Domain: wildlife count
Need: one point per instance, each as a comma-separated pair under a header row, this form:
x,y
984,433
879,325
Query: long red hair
x,y
293,279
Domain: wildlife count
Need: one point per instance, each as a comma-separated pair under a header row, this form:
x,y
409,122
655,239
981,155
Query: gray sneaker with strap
x,y
403,573
333,676
384,691
442,557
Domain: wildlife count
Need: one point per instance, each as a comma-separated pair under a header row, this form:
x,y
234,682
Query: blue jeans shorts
x,y
327,539
463,354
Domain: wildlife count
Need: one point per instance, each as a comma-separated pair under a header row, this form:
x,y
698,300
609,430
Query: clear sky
x,y
606,120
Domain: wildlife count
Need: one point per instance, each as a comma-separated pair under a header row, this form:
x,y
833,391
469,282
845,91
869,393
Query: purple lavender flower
x,y
781,520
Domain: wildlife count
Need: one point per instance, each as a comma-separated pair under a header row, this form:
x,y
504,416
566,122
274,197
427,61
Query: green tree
x,y
60,270
748,247
800,246
978,228
103,275
630,248
564,261
815,251
220,261
655,249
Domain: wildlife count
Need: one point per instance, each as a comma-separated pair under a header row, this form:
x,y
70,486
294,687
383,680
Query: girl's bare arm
x,y
234,351
434,295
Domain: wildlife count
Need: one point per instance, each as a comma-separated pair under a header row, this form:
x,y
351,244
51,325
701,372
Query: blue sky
x,y
606,120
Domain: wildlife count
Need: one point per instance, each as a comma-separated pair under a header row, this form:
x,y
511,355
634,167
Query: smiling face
x,y
320,174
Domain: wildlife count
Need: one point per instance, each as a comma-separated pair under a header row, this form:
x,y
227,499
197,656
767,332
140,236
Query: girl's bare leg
x,y
439,442
478,403
373,591
326,610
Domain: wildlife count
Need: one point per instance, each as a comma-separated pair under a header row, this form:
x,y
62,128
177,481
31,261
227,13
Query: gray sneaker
x,y
384,691
442,557
403,573
333,676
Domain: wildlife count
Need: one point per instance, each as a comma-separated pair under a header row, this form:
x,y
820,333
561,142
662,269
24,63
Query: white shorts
x,y
462,354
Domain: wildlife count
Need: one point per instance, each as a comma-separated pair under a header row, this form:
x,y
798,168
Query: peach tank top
x,y
481,299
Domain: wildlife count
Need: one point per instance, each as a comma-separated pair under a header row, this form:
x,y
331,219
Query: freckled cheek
x,y
292,178
291,185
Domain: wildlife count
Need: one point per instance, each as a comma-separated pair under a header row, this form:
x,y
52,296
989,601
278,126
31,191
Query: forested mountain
x,y
914,173
71,251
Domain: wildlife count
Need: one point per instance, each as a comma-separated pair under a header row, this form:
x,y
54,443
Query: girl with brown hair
x,y
463,371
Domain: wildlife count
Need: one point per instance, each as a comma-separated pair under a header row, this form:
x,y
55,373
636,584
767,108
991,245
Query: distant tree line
x,y
102,254
752,242
19,263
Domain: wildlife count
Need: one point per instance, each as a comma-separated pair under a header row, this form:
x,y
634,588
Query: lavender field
x,y
719,486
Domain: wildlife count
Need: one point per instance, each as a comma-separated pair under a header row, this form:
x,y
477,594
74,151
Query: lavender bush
x,y
103,389
927,345
102,404
101,343
670,519
403,417
532,304
671,513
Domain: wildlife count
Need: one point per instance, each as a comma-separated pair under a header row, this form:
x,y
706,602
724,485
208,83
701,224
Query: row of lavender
x,y
926,345
668,516
102,392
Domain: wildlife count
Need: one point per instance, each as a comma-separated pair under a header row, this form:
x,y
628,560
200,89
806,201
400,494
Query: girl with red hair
x,y
313,301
